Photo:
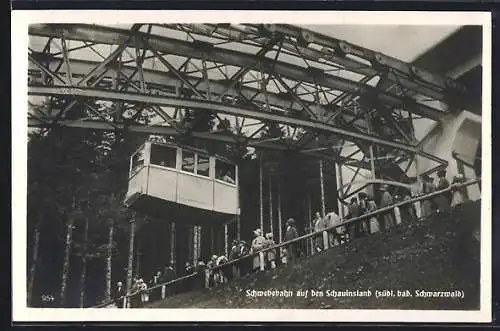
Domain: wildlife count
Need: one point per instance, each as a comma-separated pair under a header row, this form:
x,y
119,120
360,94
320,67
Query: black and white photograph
x,y
265,166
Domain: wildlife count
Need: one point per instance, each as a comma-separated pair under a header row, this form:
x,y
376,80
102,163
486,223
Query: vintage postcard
x,y
173,165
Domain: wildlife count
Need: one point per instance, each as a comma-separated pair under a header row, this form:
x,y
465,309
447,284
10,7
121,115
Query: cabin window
x,y
203,166
225,171
138,160
164,156
187,161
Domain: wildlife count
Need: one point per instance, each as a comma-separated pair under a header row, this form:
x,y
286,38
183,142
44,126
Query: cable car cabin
x,y
182,184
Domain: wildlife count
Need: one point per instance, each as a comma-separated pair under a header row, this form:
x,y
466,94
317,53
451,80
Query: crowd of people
x,y
260,256
207,275
365,204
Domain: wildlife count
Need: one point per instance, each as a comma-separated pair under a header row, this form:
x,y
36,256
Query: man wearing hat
x,y
385,201
290,234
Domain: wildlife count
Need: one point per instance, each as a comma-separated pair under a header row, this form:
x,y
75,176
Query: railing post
x,y
325,240
261,260
397,214
163,291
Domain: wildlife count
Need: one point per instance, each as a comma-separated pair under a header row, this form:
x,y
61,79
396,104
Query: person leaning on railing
x,y
233,255
373,223
363,207
257,245
406,210
387,218
222,272
443,200
156,279
353,228
270,255
169,274
119,295
290,234
458,194
245,265
135,295
317,225
318,239
200,268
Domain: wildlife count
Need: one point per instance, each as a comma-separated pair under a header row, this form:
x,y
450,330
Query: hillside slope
x,y
440,254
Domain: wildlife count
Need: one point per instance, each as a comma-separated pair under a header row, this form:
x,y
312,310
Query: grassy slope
x,y
436,254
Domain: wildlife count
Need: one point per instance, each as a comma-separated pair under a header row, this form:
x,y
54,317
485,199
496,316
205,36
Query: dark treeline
x,y
79,229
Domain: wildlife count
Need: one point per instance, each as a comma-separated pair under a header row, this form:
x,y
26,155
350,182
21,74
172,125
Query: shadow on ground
x,y
441,253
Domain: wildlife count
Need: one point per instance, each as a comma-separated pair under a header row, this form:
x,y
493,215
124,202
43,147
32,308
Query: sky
x,y
404,42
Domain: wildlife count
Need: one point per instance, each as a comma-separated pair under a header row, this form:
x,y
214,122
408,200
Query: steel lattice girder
x,y
216,107
204,104
168,80
169,131
106,35
335,51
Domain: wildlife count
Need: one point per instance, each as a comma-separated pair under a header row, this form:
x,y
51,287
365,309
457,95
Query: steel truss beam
x,y
335,51
215,107
105,35
211,136
345,48
169,80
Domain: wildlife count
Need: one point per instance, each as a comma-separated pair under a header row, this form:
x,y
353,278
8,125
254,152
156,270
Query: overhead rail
x,y
112,36
213,106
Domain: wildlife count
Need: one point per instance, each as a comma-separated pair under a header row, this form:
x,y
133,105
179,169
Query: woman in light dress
x,y
458,196
257,245
370,208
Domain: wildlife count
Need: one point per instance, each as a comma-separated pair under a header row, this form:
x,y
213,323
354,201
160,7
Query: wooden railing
x,y
203,277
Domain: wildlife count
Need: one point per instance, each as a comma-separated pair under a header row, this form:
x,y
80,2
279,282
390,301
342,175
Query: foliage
x,y
89,166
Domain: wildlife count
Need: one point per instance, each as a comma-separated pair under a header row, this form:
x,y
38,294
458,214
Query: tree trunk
x,y
190,242
130,254
280,225
261,195
271,227
34,260
83,275
138,259
322,188
67,254
109,254
172,243
226,240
